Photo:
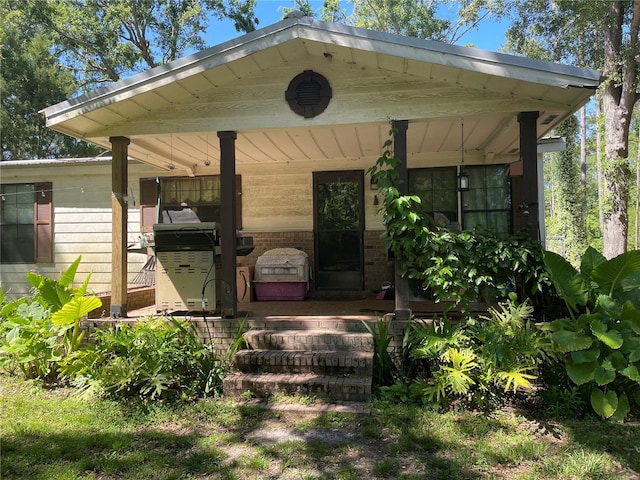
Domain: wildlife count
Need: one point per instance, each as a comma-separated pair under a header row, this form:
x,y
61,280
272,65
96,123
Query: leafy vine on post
x,y
458,267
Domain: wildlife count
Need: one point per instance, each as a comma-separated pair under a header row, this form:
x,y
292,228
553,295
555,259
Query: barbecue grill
x,y
187,265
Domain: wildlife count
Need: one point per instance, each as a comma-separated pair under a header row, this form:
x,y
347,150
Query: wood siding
x,y
81,223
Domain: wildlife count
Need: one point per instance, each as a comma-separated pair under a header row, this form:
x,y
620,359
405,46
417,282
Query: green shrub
x,y
154,359
600,341
29,342
40,336
476,360
383,368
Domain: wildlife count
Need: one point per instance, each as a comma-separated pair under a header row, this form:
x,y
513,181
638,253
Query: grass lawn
x,y
51,434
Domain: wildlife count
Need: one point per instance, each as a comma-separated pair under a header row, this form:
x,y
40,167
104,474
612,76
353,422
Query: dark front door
x,y
338,230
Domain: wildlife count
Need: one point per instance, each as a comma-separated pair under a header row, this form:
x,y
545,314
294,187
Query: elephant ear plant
x,y
601,339
37,333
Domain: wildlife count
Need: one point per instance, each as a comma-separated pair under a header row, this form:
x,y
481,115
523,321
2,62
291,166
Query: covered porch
x,y
287,105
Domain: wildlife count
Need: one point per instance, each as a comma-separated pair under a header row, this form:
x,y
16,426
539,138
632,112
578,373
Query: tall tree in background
x,y
420,18
30,79
601,34
54,49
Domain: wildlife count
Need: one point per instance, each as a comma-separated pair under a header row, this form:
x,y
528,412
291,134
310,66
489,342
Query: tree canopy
x,y
31,79
55,49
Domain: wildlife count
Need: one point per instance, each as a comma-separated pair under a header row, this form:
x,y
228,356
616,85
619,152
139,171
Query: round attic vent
x,y
308,94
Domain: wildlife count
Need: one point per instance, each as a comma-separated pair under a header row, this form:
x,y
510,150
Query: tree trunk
x,y
618,101
637,192
616,174
599,160
583,164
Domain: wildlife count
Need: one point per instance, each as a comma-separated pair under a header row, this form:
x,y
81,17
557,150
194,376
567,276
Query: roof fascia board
x,y
468,58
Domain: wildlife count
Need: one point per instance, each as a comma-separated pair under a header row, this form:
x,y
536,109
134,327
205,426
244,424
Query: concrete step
x,y
326,387
309,340
292,361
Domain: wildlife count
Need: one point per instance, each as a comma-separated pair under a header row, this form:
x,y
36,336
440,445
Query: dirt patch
x,y
271,436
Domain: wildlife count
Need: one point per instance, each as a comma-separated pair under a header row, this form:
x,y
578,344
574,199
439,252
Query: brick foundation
x,y
137,297
223,332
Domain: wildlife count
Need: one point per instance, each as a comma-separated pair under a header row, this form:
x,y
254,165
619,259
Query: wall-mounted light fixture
x,y
463,177
375,200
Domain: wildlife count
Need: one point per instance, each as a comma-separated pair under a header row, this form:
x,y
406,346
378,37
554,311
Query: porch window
x,y
437,189
488,201
183,199
486,204
26,223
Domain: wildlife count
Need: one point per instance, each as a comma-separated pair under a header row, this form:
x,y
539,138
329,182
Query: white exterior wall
x,y
278,198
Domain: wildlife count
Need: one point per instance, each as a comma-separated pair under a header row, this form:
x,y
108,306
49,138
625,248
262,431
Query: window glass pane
x,y
444,179
208,213
189,190
210,189
498,199
496,176
437,189
476,177
338,205
9,211
474,199
16,244
444,202
25,214
25,243
24,195
8,242
169,191
419,181
474,219
499,221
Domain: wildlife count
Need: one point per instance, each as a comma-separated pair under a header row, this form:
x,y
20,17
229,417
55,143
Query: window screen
x,y
488,201
437,189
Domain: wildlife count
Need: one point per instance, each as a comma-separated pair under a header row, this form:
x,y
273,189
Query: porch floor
x,y
368,309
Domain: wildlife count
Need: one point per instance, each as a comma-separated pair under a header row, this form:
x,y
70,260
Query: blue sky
x,y
490,36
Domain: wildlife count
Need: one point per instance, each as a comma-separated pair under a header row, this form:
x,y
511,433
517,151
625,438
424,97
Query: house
x,y
271,135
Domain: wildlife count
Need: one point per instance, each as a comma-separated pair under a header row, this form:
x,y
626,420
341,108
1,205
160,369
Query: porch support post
x,y
119,217
529,154
229,299
402,306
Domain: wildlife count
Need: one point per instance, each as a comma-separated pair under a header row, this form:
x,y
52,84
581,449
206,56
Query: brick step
x,y
326,387
309,340
292,361
311,323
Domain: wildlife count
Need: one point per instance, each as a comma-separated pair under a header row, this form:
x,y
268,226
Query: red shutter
x,y
148,204
43,222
